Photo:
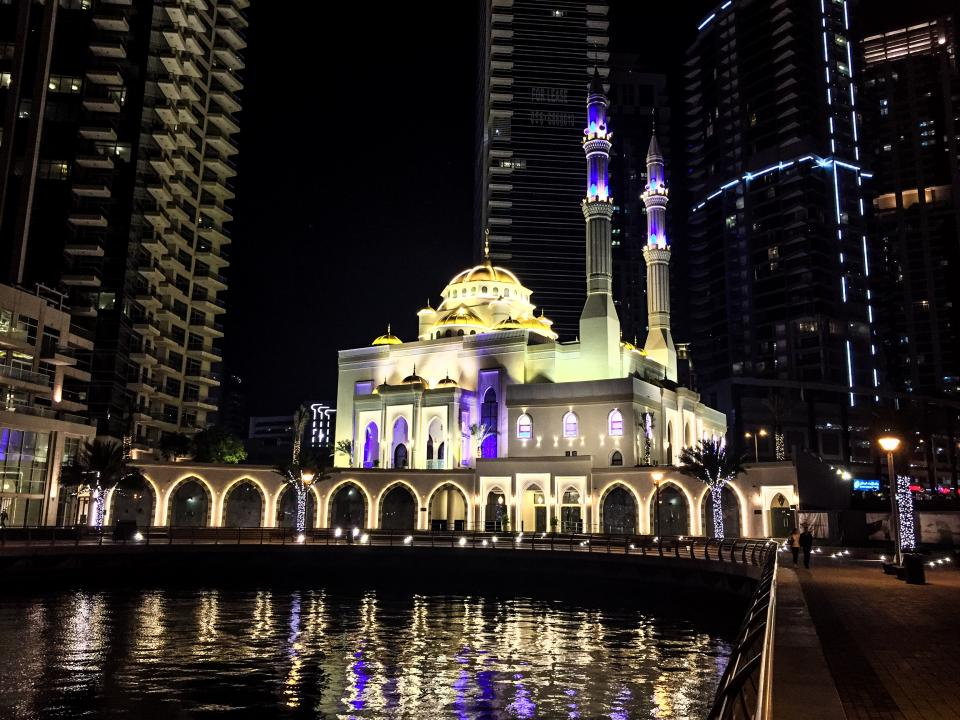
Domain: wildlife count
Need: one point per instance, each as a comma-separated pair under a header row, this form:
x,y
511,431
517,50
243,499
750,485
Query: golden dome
x,y
485,272
414,379
532,323
387,338
508,324
461,316
447,382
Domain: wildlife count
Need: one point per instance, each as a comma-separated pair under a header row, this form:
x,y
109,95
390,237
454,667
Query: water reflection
x,y
319,654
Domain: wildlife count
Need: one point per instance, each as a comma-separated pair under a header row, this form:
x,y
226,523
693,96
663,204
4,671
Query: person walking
x,y
806,544
794,541
3,518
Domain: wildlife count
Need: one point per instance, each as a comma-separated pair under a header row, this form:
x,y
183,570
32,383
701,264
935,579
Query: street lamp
x,y
657,477
889,445
756,447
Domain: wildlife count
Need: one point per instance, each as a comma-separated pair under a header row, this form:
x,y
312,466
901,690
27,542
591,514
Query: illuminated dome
x,y
485,272
447,382
387,338
414,379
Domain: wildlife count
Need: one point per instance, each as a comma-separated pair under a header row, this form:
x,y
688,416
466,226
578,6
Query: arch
x,y
447,508
347,506
496,515
133,500
287,508
674,511
730,504
398,507
687,439
524,427
571,511
435,445
619,510
782,518
371,445
244,505
190,503
571,425
399,451
616,459
615,423
533,509
668,446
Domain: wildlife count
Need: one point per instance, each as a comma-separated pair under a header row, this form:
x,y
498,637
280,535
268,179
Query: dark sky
x,y
356,174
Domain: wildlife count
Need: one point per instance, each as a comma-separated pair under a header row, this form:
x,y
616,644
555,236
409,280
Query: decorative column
x,y
659,344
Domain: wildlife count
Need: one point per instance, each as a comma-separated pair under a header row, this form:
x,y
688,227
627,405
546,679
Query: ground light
x,y
301,538
364,539
462,541
408,539
138,536
337,532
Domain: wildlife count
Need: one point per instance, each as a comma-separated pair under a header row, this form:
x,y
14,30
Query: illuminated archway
x,y
133,500
190,504
398,509
348,507
448,508
731,513
243,505
287,508
618,511
674,511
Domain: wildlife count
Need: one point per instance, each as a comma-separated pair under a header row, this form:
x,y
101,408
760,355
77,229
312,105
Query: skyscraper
x,y
781,313
911,105
536,61
117,125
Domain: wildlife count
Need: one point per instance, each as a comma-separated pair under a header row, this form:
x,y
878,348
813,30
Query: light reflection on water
x,y
320,654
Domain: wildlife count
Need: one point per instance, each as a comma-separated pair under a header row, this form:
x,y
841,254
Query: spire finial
x,y
388,329
486,246
653,120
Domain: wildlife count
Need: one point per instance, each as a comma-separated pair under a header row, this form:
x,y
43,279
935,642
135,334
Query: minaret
x,y
656,254
599,324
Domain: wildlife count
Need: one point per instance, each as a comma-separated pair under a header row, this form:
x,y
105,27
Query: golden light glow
x,y
889,443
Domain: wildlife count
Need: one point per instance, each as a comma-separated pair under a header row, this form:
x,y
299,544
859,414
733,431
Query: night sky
x,y
356,177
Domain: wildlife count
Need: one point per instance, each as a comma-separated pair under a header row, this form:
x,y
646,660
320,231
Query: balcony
x,y
161,193
109,49
104,134
101,104
226,56
205,378
200,404
224,122
95,162
148,300
229,35
226,100
82,278
210,281
151,271
156,218
215,235
25,377
218,212
98,190
94,220
226,78
14,338
59,355
197,351
223,168
171,63
140,386
105,74
153,244
211,306
210,329
111,22
221,144
143,356
146,327
84,249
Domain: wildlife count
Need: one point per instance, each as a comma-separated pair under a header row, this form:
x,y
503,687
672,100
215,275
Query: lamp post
x,y
889,445
657,477
756,447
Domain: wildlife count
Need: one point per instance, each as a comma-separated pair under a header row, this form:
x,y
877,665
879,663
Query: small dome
x,y
388,338
414,379
508,324
485,272
462,316
447,382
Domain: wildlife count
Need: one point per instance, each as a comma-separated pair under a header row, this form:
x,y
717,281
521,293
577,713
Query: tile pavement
x,y
891,648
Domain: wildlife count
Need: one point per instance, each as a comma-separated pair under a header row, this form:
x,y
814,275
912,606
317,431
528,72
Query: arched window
x,y
371,446
687,442
495,291
506,292
571,426
524,427
615,423
489,416
483,290
401,456
454,294
459,333
616,460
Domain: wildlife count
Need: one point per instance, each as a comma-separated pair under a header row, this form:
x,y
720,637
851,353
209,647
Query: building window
x,y
616,460
524,427
571,426
615,423
65,84
53,170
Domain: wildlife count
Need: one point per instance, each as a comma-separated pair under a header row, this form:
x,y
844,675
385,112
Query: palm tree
x,y
345,447
710,463
479,432
302,469
100,465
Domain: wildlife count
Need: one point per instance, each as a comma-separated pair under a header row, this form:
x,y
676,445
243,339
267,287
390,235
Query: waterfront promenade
x,y
890,647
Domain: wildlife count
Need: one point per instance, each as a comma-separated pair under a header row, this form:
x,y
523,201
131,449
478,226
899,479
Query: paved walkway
x,y
890,647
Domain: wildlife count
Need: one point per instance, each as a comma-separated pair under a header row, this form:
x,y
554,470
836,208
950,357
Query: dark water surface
x,y
329,654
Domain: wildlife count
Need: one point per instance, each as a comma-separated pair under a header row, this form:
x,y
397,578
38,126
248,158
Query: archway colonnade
x,y
608,500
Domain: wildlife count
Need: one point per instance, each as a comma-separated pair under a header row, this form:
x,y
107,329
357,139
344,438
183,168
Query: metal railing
x,y
739,551
745,688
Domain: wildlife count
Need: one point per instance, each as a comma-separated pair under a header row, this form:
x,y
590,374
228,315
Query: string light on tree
x,y
908,540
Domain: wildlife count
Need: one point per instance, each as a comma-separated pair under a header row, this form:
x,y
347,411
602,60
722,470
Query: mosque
x,y
487,421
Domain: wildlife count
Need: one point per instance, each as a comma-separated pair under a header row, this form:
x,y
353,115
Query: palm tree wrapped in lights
x,y
480,432
302,469
710,463
100,465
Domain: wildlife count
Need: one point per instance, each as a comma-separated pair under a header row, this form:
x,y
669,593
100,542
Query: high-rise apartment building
x,y
911,92
118,117
781,314
536,62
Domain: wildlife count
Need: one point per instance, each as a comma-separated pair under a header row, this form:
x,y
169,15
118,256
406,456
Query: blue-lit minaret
x,y
599,324
659,345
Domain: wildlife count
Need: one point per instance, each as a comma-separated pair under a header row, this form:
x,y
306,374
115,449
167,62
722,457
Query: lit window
x,y
524,427
571,426
5,80
616,460
483,290
615,423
